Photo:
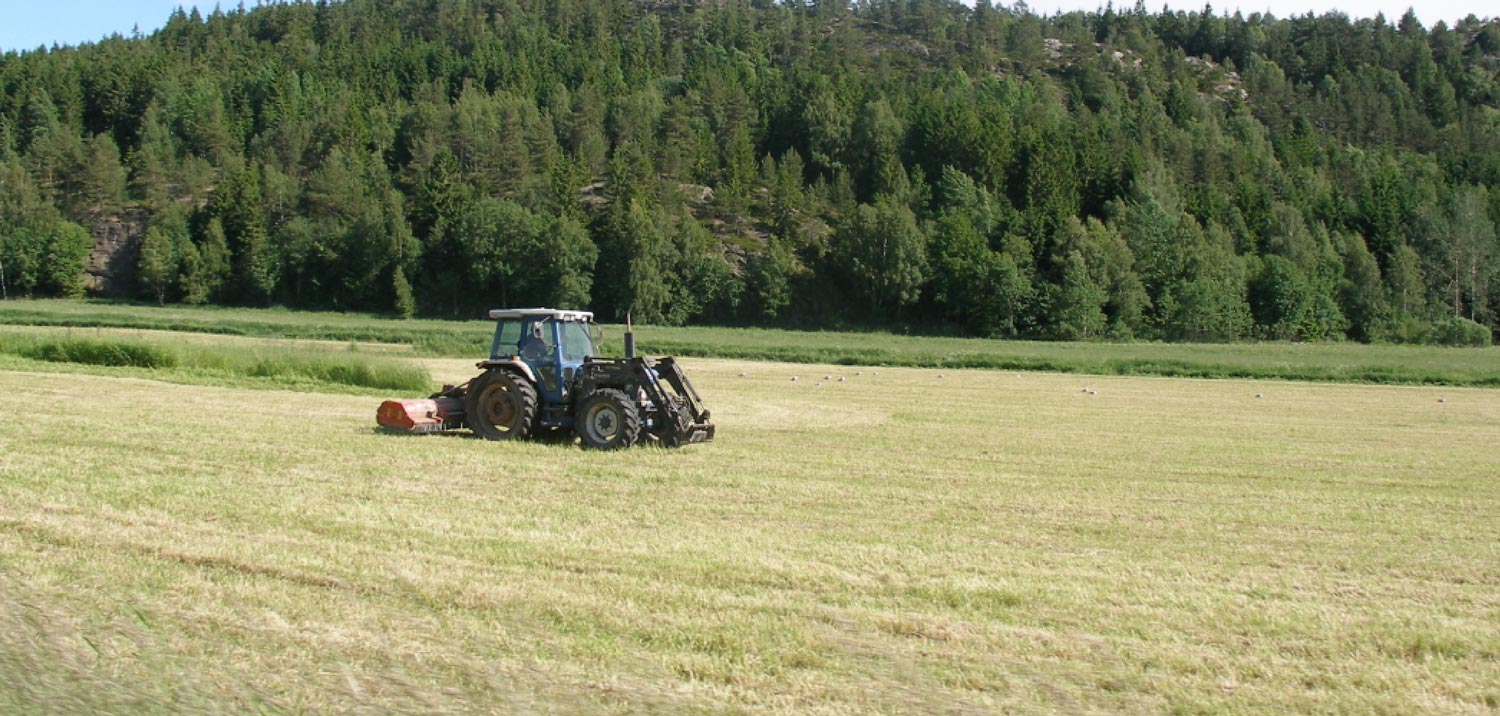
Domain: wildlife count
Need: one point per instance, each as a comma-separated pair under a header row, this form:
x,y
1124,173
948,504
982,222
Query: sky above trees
x,y
1429,11
29,24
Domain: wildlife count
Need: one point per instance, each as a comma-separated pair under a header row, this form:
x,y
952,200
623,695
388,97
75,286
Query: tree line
x,y
1116,174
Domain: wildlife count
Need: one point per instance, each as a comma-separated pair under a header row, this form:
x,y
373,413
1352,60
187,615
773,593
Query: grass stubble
x,y
906,541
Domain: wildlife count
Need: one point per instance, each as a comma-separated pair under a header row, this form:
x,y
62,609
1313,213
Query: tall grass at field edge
x,y
282,364
1320,362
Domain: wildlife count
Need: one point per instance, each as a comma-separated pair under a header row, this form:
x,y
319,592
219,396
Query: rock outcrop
x,y
117,247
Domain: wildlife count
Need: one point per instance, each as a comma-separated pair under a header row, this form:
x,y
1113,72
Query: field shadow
x,y
554,438
558,438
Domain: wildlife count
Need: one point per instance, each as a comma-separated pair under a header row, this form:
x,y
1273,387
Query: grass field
x,y
906,541
1335,362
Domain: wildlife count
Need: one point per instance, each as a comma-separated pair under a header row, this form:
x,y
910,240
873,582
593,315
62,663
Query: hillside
x,y
1182,176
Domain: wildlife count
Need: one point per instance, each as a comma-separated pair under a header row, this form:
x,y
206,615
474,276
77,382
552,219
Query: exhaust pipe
x,y
629,337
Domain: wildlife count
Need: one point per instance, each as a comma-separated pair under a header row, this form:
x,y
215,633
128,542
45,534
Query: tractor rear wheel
x,y
501,405
607,420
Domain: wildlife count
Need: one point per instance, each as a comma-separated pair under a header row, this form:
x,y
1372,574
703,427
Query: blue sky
x,y
28,24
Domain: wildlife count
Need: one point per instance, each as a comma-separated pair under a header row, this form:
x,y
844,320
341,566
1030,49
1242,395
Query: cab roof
x,y
552,313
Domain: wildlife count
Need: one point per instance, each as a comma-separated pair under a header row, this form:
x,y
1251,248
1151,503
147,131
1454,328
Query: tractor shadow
x,y
555,438
550,438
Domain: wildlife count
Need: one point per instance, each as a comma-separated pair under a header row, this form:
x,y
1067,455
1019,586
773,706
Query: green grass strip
x,y
287,367
1324,362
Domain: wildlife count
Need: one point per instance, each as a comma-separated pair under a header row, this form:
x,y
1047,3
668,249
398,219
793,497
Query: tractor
x,y
544,378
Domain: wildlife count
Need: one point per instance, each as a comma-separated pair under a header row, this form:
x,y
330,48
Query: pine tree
x,y
1361,294
646,273
769,277
404,303
570,254
237,205
191,283
152,161
1078,306
212,279
158,265
102,181
65,255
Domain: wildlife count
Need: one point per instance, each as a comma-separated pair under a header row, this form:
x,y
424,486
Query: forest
x,y
914,165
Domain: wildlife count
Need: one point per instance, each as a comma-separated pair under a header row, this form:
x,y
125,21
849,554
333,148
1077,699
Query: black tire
x,y
501,405
607,420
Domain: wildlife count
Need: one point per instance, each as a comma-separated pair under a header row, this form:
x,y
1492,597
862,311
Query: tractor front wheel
x,y
607,420
501,405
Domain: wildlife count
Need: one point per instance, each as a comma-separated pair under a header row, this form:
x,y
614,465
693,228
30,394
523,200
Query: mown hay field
x,y
904,541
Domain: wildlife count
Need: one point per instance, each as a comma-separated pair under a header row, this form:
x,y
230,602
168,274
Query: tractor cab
x,y
551,345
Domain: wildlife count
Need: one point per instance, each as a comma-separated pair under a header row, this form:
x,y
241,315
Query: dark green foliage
x,y
563,259
882,255
1104,263
20,260
45,259
1456,331
1179,176
492,234
239,209
405,305
645,292
1280,298
1077,304
517,257
1361,295
1210,305
65,252
101,182
702,282
158,264
206,268
981,289
769,276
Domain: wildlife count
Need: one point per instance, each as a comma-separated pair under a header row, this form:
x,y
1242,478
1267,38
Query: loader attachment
x,y
669,405
683,418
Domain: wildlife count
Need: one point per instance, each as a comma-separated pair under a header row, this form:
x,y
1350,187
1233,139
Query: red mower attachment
x,y
433,415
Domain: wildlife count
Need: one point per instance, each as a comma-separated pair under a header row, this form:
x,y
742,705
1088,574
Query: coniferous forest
x,y
907,163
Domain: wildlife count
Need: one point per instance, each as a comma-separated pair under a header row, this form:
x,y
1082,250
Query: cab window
x,y
509,343
536,343
575,342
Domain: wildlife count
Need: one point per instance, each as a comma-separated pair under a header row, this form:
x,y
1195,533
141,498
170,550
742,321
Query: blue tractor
x,y
544,377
